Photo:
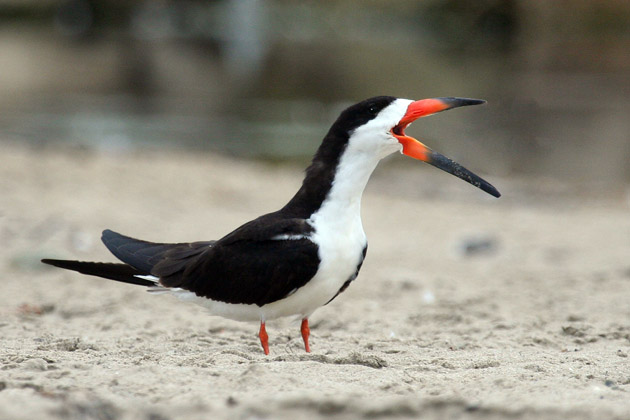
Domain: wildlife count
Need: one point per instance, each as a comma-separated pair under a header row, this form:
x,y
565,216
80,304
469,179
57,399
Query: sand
x,y
467,307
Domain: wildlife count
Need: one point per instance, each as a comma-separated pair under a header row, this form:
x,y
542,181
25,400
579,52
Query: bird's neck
x,y
333,183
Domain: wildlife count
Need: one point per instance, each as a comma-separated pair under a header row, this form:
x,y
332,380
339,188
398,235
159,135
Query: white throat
x,y
367,145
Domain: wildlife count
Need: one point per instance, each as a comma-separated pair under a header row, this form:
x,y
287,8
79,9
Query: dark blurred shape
x,y
478,246
483,25
75,18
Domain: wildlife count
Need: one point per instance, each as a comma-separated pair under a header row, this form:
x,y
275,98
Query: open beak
x,y
417,150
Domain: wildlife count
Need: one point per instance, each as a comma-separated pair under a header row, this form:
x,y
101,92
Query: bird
x,y
295,260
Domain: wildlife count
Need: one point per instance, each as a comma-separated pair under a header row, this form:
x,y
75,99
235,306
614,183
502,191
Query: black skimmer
x,y
292,261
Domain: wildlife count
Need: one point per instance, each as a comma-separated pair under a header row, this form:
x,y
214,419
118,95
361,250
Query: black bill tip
x,y
457,102
442,162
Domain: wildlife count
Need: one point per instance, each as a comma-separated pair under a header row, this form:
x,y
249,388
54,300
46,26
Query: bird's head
x,y
377,125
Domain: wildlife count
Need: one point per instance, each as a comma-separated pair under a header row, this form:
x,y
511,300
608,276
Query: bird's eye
x,y
372,110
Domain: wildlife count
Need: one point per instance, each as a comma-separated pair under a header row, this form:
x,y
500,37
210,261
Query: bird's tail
x,y
140,258
114,271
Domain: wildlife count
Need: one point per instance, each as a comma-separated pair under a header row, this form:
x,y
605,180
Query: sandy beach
x,y
466,307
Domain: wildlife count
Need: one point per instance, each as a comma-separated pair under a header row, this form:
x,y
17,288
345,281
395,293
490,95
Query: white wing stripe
x,y
287,237
147,277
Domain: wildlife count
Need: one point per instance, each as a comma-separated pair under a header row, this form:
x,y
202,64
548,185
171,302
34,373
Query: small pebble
x,y
477,246
35,364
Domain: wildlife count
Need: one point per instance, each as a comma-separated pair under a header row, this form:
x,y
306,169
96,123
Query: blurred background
x,y
264,79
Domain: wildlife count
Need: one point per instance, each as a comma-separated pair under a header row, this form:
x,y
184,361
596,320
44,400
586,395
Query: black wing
x,y
144,255
261,262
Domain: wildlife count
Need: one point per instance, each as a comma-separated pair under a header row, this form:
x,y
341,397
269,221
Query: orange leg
x,y
305,333
264,338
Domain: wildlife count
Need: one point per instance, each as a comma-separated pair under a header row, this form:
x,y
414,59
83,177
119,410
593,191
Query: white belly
x,y
340,254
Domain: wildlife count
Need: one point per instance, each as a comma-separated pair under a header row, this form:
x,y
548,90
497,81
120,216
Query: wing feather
x,y
144,255
250,265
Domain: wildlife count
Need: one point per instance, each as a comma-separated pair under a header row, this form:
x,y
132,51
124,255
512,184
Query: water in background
x,y
266,79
